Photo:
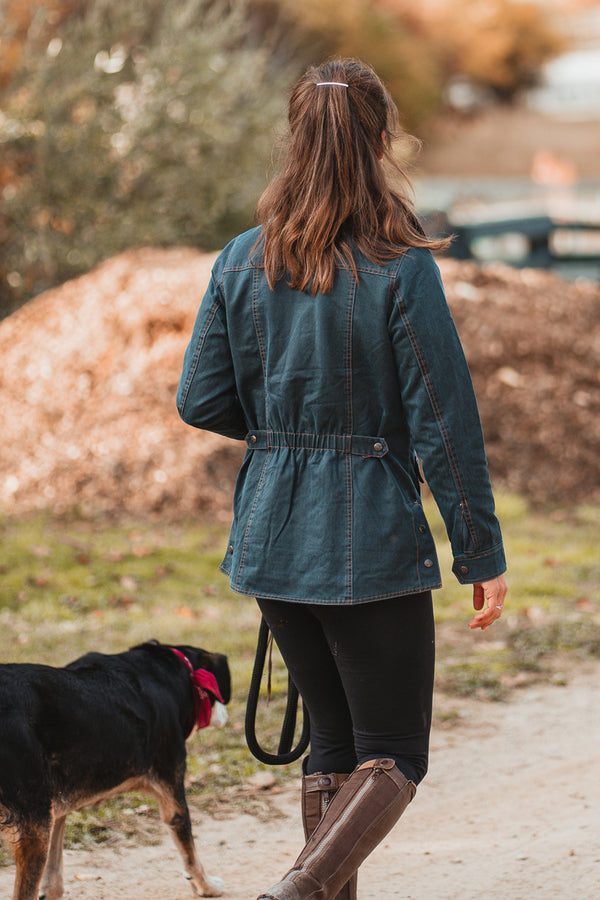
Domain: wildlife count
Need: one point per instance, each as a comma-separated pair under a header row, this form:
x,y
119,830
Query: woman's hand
x,y
493,593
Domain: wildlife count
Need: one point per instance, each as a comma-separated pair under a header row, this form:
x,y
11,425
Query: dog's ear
x,y
220,669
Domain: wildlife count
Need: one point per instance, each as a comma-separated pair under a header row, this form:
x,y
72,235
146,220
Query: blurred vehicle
x,y
516,221
571,248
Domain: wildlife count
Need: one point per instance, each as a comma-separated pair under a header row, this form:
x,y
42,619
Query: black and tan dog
x,y
99,727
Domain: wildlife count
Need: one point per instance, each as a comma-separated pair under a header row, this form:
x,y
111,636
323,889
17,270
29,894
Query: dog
x,y
101,726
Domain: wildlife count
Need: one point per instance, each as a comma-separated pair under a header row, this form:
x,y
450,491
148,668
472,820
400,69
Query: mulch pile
x,y
533,345
89,371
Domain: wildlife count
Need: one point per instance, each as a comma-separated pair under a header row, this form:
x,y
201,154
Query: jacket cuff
x,y
482,567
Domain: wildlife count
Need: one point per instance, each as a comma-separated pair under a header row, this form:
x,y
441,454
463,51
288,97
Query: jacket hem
x,y
342,601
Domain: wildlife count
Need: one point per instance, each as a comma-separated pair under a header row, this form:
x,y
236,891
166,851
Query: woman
x,y
325,342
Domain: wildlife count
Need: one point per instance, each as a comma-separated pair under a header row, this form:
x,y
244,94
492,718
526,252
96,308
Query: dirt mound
x,y
88,378
533,345
89,372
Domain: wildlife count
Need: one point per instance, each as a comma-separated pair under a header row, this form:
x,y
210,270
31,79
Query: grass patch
x,y
69,586
552,612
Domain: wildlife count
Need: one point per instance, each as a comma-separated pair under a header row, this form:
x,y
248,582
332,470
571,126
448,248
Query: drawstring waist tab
x,y
356,444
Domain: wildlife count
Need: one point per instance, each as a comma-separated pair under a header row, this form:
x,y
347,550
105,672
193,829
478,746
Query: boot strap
x,y
320,782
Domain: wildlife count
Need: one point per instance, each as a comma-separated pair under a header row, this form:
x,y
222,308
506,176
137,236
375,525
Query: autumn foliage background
x,y
151,122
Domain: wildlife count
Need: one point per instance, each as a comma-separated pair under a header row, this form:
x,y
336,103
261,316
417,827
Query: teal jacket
x,y
341,398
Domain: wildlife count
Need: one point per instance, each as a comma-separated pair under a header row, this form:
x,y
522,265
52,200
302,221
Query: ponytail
x,y
332,188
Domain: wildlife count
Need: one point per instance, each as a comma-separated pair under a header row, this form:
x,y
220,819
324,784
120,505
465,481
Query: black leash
x,y
285,754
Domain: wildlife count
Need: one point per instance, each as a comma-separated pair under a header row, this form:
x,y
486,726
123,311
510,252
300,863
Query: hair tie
x,y
339,83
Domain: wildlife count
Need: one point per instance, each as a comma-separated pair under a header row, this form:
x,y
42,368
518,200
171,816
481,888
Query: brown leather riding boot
x,y
362,812
318,791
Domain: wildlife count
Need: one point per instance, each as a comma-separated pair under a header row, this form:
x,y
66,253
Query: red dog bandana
x,y
204,682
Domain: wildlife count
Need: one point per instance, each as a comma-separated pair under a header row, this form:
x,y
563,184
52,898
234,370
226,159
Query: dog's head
x,y
216,663
197,659
212,662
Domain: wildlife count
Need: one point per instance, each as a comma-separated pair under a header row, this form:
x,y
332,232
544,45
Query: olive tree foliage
x,y
143,122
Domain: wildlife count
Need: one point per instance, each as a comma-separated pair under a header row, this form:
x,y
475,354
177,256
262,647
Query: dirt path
x,y
510,810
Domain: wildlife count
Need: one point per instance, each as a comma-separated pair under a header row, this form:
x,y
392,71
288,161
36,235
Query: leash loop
x,y
285,754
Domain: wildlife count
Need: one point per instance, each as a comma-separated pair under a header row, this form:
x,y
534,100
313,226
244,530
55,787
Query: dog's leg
x,y
30,857
52,882
175,813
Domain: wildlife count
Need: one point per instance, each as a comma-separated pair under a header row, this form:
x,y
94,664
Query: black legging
x,y
365,674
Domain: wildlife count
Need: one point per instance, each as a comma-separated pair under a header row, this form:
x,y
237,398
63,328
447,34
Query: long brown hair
x,y
332,186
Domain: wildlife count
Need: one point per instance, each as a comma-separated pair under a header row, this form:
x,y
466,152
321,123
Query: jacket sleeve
x,y
443,419
207,397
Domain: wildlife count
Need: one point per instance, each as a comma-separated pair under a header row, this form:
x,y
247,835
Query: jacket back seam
x,y
349,429
260,341
244,552
263,359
